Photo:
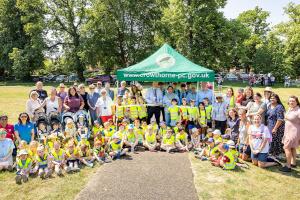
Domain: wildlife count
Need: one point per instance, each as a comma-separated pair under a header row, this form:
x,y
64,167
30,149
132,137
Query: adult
x,y
73,102
122,89
6,150
248,96
98,87
62,93
154,98
53,103
233,123
183,93
161,86
110,92
41,92
9,128
267,95
240,97
244,148
191,95
175,89
256,107
259,137
34,104
167,99
104,107
83,94
24,129
92,99
275,122
204,93
229,98
135,91
163,91
291,138
219,113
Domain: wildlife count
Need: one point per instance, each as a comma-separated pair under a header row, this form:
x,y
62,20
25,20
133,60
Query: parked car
x,y
61,78
231,77
244,76
103,78
50,78
38,78
73,78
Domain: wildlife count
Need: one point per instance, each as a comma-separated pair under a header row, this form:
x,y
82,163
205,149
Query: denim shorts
x,y
247,151
262,157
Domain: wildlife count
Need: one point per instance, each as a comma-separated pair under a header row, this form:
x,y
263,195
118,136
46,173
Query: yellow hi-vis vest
x,y
208,110
184,112
162,131
142,110
202,117
115,147
75,152
174,112
231,102
57,156
193,113
151,138
42,161
120,112
131,137
213,151
231,164
181,137
26,165
134,113
169,141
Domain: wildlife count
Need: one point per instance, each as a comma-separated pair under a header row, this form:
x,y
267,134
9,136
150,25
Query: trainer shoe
x,y
285,169
18,179
24,178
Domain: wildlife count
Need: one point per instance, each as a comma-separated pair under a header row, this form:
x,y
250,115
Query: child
x,y
139,131
154,125
217,136
43,161
133,109
84,141
182,140
177,127
58,158
174,112
142,109
195,140
150,141
211,151
96,128
233,150
70,130
209,133
193,115
6,149
228,161
108,132
208,111
202,120
99,153
85,155
57,131
131,138
119,110
32,153
184,112
72,157
162,131
116,149
42,133
23,166
168,141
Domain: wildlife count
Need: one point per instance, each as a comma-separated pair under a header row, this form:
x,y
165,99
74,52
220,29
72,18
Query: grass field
x,y
246,184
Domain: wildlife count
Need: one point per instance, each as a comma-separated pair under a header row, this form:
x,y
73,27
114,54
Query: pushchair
x,y
81,119
41,124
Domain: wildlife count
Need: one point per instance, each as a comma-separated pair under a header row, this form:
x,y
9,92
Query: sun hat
x,y
209,130
217,132
23,152
96,122
69,121
231,144
268,89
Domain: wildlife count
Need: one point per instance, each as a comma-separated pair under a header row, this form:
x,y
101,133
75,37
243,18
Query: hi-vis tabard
x,y
231,164
184,112
26,165
174,112
208,110
57,156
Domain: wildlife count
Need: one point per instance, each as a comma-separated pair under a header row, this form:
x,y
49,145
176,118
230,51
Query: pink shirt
x,y
10,131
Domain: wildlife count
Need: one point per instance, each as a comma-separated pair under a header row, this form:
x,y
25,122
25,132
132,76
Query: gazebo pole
x,y
116,120
197,85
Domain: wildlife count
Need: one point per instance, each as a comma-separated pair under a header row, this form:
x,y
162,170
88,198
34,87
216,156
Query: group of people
x,y
223,128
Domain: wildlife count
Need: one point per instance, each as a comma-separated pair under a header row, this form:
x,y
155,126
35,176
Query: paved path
x,y
144,176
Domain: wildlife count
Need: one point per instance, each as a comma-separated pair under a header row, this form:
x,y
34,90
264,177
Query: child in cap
x,y
182,143
209,151
131,138
150,141
24,164
6,150
70,130
96,128
168,141
43,163
72,157
232,149
228,160
174,113
57,158
116,147
217,136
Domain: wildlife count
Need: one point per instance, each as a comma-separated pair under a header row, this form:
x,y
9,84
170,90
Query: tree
x,y
21,37
64,21
256,22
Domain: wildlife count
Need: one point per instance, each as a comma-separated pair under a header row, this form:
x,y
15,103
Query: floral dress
x,y
272,115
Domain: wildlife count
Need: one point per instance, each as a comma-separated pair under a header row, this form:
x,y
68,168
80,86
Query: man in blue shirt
x,y
191,95
204,93
154,99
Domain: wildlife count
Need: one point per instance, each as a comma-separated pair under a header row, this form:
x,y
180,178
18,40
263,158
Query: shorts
x,y
43,166
262,157
247,151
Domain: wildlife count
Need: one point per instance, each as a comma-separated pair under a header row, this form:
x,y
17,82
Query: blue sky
x,y
275,7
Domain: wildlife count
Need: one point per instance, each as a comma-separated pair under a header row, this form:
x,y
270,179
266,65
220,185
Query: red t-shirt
x,y
10,131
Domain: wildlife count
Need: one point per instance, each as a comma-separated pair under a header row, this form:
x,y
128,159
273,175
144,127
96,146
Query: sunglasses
x,y
24,116
4,119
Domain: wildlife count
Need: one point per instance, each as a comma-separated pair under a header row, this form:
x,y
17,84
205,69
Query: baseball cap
x,y
23,152
217,132
225,146
231,144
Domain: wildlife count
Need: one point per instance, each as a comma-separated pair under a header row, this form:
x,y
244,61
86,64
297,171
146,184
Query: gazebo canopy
x,y
166,65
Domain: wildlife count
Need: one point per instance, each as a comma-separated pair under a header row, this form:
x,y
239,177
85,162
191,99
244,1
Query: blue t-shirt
x,y
25,131
6,145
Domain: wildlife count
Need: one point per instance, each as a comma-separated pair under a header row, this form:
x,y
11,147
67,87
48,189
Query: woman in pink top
x,y
291,138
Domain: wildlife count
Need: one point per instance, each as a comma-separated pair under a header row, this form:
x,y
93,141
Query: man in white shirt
x,y
104,106
154,100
